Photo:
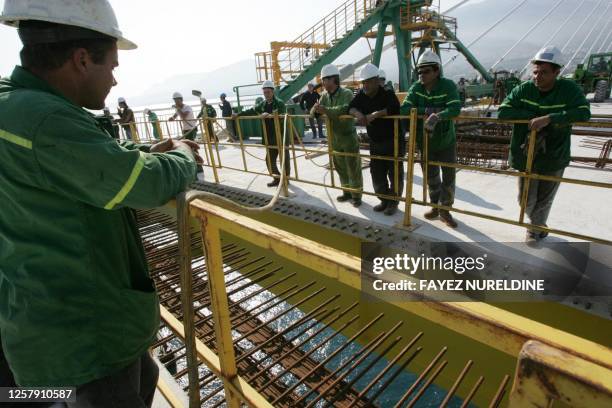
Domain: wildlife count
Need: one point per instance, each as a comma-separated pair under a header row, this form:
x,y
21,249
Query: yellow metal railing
x,y
580,370
410,159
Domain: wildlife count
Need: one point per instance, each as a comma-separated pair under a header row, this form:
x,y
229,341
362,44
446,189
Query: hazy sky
x,y
194,35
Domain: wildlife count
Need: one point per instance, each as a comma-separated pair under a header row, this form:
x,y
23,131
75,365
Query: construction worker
x,y
551,104
208,111
77,305
438,99
226,112
308,99
107,121
382,78
334,103
154,120
370,105
126,117
189,124
266,108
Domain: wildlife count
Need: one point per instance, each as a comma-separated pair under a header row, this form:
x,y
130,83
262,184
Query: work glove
x,y
431,122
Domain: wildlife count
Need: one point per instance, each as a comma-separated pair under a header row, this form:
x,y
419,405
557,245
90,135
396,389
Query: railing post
x,y
330,150
211,237
186,279
204,124
410,169
526,181
396,157
240,138
292,130
281,145
425,162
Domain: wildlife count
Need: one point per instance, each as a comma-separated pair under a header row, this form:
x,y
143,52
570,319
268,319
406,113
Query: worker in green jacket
x,y
334,103
551,104
154,121
438,99
209,112
266,108
77,304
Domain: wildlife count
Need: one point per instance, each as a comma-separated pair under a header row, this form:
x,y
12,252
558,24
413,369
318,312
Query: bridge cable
x,y
580,27
533,27
605,27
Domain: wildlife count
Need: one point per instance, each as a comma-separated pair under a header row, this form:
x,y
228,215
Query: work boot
x,y
380,207
432,214
447,218
344,197
391,209
274,183
531,237
356,202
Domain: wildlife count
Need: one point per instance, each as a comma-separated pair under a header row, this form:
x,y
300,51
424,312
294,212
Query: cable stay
x,y
533,27
552,37
598,38
485,32
580,26
585,39
456,6
603,45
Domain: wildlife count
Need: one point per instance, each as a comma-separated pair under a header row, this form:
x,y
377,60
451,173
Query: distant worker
x,y
126,117
308,99
154,121
107,121
189,124
382,77
267,108
551,104
77,305
226,112
209,112
334,103
371,104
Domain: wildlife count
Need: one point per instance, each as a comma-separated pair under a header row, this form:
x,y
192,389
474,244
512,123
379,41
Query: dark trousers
x,y
383,172
6,375
540,196
272,155
128,132
190,134
132,387
441,191
319,120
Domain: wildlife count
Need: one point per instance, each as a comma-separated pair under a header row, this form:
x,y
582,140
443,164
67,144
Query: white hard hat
x,y
429,58
548,54
368,71
121,99
267,84
147,110
329,70
382,74
95,15
177,95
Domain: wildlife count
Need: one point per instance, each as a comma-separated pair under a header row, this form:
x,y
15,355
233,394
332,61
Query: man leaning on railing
x,y
438,99
551,104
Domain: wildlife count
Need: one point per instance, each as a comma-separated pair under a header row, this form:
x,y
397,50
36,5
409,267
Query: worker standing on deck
x,y
369,106
382,78
189,124
267,108
154,121
226,112
334,103
438,99
551,104
307,101
77,305
126,117
209,112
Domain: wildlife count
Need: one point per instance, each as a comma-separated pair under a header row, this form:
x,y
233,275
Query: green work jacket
x,y
344,135
445,98
565,104
76,299
277,106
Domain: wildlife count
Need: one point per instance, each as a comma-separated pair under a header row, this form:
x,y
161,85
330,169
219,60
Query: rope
x,y
485,32
555,34
583,41
528,32
227,203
